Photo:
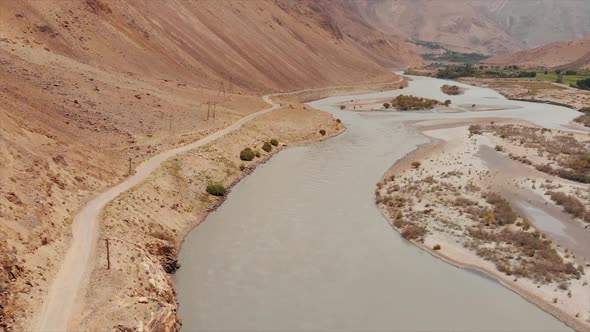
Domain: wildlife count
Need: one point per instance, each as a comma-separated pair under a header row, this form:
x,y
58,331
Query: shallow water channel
x,y
299,245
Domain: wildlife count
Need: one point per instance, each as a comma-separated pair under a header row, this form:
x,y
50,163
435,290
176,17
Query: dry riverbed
x,y
455,198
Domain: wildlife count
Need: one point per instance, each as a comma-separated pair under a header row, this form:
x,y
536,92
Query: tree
x,y
559,78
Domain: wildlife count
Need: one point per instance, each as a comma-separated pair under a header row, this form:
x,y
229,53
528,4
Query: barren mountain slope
x,y
490,26
457,24
572,54
539,22
88,85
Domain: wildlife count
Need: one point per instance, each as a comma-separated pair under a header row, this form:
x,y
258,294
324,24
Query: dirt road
x,y
75,268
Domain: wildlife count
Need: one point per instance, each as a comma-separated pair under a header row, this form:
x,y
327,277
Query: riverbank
x,y
145,225
439,198
534,91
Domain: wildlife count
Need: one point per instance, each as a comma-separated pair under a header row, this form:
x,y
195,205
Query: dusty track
x,y
72,275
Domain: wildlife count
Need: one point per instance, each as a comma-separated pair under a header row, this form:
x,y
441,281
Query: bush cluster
x,y
247,154
267,147
570,204
274,142
216,189
451,89
503,212
405,103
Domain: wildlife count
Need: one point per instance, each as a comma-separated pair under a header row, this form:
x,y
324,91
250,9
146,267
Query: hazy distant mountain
x,y
567,54
486,26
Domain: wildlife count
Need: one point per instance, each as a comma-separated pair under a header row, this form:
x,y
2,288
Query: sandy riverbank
x,y
439,203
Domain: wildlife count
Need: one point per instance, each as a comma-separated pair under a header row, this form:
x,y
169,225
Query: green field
x,y
567,79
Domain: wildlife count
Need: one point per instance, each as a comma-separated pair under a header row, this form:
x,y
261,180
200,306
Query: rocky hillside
x,y
90,87
568,54
489,27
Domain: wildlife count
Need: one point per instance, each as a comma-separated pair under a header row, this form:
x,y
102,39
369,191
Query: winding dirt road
x,y
75,268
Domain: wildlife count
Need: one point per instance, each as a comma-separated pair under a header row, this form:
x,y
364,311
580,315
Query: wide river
x,y
299,245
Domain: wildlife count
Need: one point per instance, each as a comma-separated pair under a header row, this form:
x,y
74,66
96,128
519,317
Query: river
x,y
299,244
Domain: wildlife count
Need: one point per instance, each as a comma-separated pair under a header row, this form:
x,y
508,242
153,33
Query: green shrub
x,y
216,189
274,142
267,147
322,132
257,154
405,103
247,154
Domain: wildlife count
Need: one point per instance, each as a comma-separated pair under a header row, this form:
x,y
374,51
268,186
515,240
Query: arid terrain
x,y
451,197
488,27
90,89
534,90
567,54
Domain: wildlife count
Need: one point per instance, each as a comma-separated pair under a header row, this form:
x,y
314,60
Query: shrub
x,y
274,142
386,105
499,148
247,154
322,132
405,103
583,119
257,154
267,147
570,204
413,231
503,212
216,189
341,107
338,120
475,130
447,102
451,89
416,164
436,247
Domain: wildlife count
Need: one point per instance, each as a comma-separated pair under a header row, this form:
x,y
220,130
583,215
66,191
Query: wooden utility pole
x,y
208,110
108,255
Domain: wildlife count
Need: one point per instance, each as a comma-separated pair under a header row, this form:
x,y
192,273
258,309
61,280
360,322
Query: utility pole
x,y
129,173
208,110
108,254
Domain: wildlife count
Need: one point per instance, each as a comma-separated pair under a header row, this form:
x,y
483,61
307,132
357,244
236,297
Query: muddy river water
x,y
299,245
